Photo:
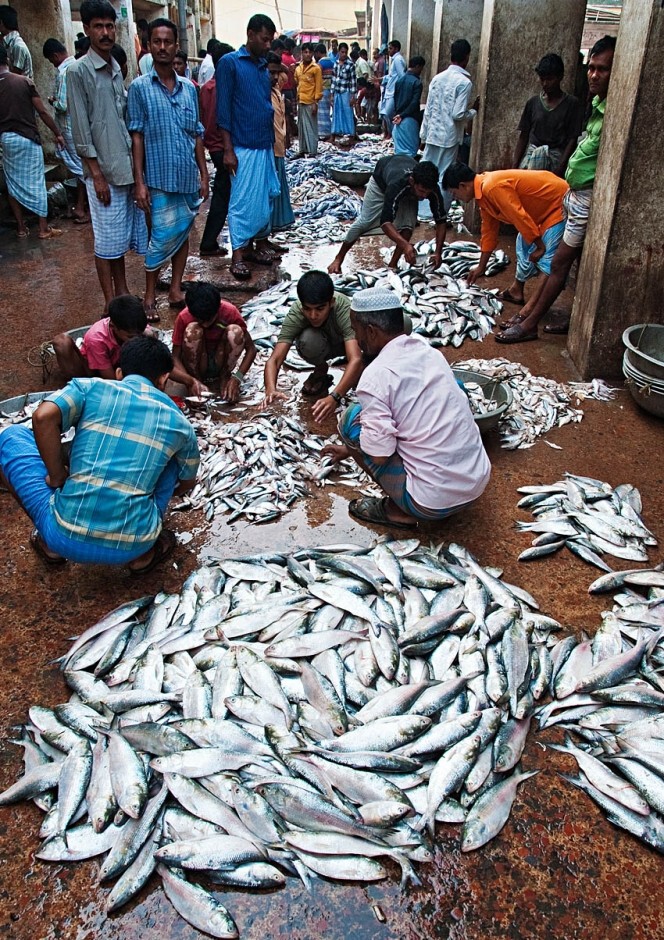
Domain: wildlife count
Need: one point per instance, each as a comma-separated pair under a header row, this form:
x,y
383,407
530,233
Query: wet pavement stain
x,y
557,870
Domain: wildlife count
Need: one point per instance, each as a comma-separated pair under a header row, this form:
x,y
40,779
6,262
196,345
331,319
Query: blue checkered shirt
x,y
170,125
345,78
126,434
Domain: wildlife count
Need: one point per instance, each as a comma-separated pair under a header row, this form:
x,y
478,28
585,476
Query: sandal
x,y
218,250
161,549
240,271
560,327
505,295
515,334
513,321
39,547
372,509
266,258
317,384
81,219
177,304
23,234
50,233
151,313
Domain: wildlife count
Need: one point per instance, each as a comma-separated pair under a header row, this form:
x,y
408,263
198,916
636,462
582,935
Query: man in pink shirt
x,y
413,430
99,355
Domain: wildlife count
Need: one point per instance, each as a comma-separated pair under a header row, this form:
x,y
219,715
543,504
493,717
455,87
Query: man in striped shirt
x,y
133,449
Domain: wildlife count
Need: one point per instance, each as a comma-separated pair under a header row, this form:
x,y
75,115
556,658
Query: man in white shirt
x,y
447,111
397,69
413,430
206,70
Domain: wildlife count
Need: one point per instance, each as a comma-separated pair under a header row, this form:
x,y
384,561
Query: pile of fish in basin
x,y
316,714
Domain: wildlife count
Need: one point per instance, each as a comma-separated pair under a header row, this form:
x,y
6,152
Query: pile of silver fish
x,y
302,715
321,198
538,404
608,692
362,157
457,257
587,516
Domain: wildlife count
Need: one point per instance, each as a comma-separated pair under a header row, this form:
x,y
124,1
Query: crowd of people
x,y
139,156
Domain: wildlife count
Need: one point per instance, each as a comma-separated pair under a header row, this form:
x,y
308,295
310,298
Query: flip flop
x,y
372,509
77,220
162,548
316,385
505,295
240,271
23,234
515,334
559,327
38,546
151,313
265,258
513,321
50,233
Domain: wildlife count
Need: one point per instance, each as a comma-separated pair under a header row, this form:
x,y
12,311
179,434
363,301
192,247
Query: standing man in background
x,y
207,66
408,116
447,111
309,85
326,66
221,189
344,90
397,69
20,60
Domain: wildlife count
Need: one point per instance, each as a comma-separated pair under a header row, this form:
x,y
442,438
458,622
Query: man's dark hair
x,y
181,55
278,45
273,58
307,46
362,82
457,173
343,45
97,10
4,58
260,22
52,47
320,47
415,61
9,18
119,54
146,356
364,54
396,44
388,321
550,65
315,288
160,22
81,46
210,45
202,299
289,44
128,313
220,50
201,53
142,23
425,174
605,44
459,50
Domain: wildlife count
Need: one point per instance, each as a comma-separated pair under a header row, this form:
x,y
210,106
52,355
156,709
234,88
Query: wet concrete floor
x,y
557,870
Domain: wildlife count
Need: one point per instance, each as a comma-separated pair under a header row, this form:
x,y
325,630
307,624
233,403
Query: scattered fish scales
x,y
587,516
289,768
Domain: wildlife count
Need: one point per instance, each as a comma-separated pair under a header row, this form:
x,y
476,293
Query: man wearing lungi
x,y
413,430
246,119
408,116
170,172
23,158
309,83
20,60
344,89
97,99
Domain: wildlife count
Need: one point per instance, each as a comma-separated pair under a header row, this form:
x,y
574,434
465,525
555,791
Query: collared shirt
x,y
582,165
97,103
345,78
168,121
447,111
244,103
279,106
530,200
62,118
126,434
309,79
397,69
206,70
207,99
412,406
363,68
18,54
391,175
337,328
17,106
407,94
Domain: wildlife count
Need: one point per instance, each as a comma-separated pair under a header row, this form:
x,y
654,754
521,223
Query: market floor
x,y
558,869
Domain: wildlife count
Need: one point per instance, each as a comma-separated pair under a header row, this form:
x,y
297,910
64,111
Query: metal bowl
x,y
493,389
646,391
12,405
644,348
351,177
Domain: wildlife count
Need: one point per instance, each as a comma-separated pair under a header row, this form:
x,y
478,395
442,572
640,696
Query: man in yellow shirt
x,y
309,82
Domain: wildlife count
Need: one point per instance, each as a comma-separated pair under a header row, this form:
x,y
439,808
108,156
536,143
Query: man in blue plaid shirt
x,y
344,90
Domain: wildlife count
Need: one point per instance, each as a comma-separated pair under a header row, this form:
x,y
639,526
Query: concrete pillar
x,y
375,24
420,34
515,35
37,22
399,24
621,277
125,32
456,19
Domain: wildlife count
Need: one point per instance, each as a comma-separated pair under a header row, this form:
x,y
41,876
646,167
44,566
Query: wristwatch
x,y
238,376
336,396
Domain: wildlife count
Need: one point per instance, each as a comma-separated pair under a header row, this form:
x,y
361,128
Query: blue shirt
x,y
169,124
126,434
244,100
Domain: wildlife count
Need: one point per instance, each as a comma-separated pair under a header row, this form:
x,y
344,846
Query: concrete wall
x,y
399,23
330,15
421,16
39,20
621,277
456,19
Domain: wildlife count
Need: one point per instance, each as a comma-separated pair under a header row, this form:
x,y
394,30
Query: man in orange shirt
x,y
531,201
309,83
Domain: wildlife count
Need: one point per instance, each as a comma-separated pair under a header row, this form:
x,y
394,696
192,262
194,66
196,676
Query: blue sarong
x,y
406,136
282,211
69,156
525,269
23,162
343,121
172,216
324,115
118,227
253,188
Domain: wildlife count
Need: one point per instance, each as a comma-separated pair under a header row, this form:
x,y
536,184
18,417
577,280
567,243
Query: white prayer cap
x,y
374,299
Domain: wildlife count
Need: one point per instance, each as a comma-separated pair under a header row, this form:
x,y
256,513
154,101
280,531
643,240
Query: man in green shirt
x,y
319,325
580,177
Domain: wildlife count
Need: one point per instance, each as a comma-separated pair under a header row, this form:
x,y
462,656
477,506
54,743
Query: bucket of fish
x,y
350,177
10,407
644,348
489,399
646,391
